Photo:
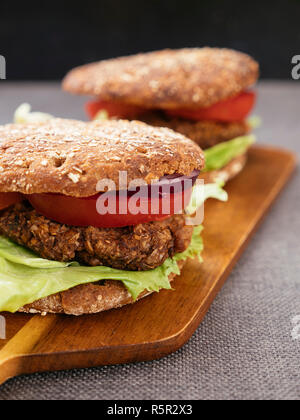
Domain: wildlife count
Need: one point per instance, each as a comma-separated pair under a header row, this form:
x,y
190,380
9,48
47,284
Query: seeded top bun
x,y
71,157
197,77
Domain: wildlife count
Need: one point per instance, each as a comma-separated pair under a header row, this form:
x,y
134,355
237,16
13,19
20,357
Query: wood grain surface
x,y
161,323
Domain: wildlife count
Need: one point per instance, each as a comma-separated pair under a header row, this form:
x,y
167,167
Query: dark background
x,y
43,40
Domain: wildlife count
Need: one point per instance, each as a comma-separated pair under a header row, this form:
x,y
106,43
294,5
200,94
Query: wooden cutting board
x,y
161,323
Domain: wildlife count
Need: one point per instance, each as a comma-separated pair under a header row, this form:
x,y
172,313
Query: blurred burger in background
x,y
204,93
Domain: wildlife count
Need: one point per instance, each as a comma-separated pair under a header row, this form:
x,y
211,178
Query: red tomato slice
x,y
85,211
231,110
9,199
118,110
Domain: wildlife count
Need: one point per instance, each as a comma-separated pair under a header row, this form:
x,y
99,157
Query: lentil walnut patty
x,y
205,133
137,248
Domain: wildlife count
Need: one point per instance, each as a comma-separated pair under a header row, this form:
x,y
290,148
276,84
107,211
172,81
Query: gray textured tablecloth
x,y
244,348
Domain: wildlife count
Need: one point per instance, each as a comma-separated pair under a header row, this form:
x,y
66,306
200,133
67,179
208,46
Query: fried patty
x,y
137,248
205,133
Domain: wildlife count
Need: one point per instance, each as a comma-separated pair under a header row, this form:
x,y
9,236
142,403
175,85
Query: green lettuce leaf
x,y
254,122
25,277
20,255
24,115
202,192
220,155
102,115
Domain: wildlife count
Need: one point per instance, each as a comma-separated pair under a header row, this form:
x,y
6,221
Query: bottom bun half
x,y
90,298
229,171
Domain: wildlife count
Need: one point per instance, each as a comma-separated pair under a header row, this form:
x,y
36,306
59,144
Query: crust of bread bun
x,y
231,170
87,299
70,157
190,77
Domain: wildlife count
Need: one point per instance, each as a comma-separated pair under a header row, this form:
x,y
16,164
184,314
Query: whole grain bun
x,y
71,157
197,77
87,299
231,170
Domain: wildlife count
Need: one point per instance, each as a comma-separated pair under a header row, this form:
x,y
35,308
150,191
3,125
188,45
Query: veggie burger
x,y
202,93
61,251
